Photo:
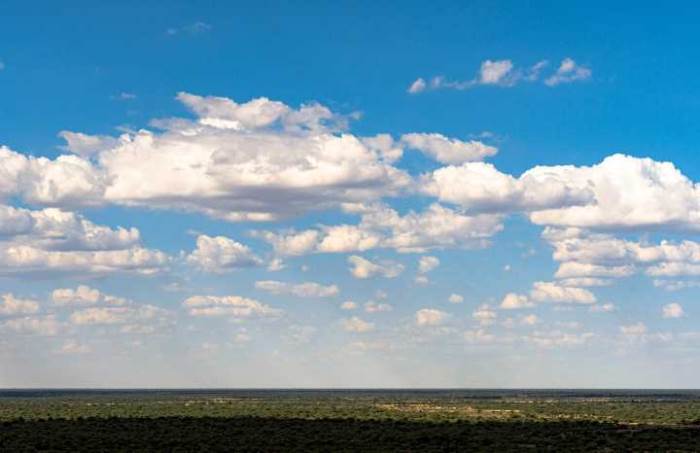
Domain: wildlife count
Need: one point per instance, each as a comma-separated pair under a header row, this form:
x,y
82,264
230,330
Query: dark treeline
x,y
274,434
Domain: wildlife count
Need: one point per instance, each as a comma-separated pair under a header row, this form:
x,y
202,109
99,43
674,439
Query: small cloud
x,y
374,307
602,308
124,96
357,325
513,301
634,329
348,305
568,72
455,299
673,310
430,317
195,28
73,347
417,86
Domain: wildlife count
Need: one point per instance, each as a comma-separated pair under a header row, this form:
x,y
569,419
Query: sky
x,y
349,194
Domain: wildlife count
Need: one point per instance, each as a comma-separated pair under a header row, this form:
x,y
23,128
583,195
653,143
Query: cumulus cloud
x,y
34,325
363,268
484,315
11,305
552,292
673,310
86,145
568,71
348,305
634,329
480,186
382,227
229,306
130,314
83,295
377,307
513,301
455,299
259,160
557,338
56,241
220,254
430,317
602,308
306,289
446,150
357,325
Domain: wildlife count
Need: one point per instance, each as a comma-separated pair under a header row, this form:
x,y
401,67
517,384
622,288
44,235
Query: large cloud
x,y
383,227
52,240
621,192
260,160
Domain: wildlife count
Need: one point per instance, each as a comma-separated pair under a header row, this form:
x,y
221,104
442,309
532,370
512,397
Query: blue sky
x,y
490,194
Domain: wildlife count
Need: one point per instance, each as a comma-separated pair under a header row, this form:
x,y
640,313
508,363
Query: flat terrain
x,y
284,420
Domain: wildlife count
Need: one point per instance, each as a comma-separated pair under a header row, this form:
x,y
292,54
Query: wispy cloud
x,y
503,73
195,28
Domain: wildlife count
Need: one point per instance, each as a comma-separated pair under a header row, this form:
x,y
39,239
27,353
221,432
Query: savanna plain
x,y
349,420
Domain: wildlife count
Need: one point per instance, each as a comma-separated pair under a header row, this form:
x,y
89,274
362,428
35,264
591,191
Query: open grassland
x,y
349,420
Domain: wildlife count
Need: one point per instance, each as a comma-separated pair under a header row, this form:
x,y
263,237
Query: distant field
x,y
332,420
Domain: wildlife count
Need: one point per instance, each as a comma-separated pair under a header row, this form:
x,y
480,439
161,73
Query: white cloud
x,y
55,241
374,307
430,317
74,347
673,310
128,314
513,301
11,305
417,86
675,285
86,145
306,289
479,336
446,150
480,186
348,305
230,306
602,308
529,320
557,338
43,325
383,227
194,28
568,72
357,325
220,254
504,73
427,264
83,295
634,329
484,315
260,160
455,299
363,268
551,292
495,72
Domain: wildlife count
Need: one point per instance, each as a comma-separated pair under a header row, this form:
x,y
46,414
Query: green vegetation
x,y
349,420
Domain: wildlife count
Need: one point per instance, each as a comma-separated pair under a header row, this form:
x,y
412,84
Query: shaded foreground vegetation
x,y
278,434
348,421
